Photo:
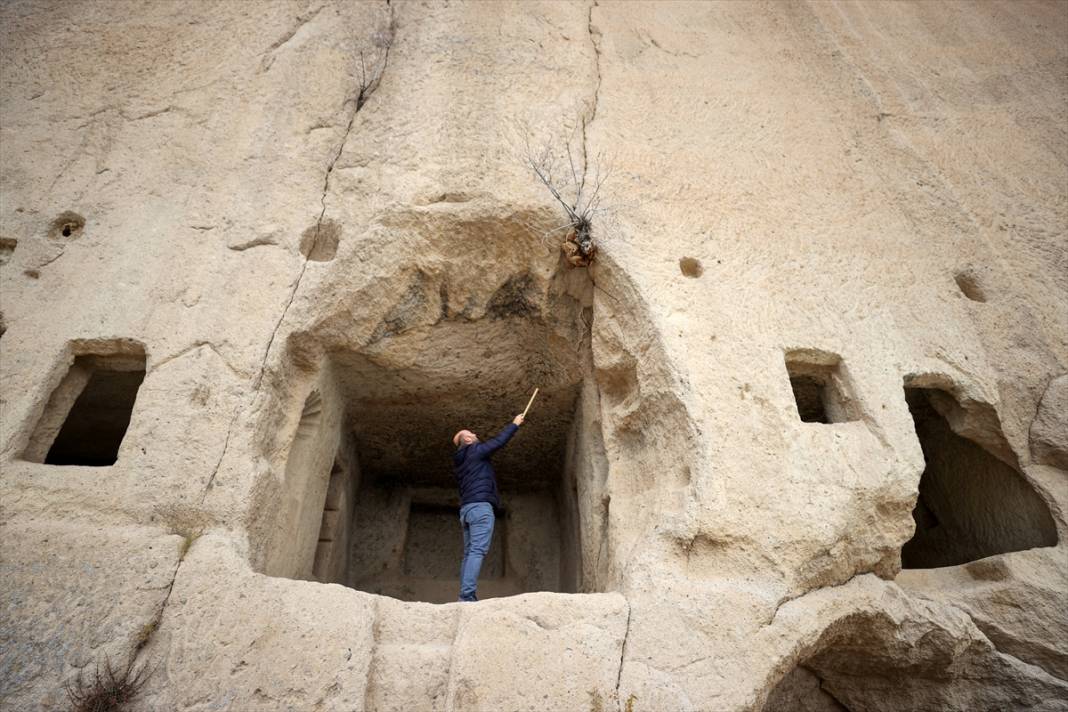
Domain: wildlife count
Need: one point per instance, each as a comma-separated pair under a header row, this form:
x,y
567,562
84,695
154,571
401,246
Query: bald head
x,y
464,437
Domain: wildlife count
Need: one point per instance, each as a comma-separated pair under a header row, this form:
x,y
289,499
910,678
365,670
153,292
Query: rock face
x,y
800,437
1049,430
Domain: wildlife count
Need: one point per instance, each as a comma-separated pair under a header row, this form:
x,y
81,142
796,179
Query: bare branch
x,y
571,160
545,176
591,206
578,245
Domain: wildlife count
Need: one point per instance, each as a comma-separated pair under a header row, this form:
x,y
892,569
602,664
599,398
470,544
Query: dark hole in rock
x,y
819,388
886,657
971,504
87,415
801,691
969,285
7,247
67,224
513,298
808,395
691,267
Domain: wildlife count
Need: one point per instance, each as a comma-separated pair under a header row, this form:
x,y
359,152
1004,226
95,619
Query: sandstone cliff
x,y
802,437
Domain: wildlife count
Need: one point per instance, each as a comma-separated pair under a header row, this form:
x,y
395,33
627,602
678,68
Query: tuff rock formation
x,y
801,438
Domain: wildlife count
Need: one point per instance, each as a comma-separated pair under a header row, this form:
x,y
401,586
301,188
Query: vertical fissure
x,y
366,88
149,629
376,636
622,657
592,112
825,690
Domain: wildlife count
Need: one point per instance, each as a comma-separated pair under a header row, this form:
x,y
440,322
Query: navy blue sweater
x,y
474,473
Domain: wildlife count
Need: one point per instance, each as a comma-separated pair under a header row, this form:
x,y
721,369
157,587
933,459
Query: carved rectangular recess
x,y
331,548
86,417
819,386
433,548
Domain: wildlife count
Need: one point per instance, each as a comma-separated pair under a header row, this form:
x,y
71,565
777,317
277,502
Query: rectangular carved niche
x,y
432,547
86,417
332,548
819,386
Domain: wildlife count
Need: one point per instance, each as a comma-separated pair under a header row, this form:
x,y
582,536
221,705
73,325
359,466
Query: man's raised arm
x,y
498,441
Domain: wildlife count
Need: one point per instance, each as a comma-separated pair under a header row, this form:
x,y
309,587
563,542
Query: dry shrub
x,y
107,690
575,184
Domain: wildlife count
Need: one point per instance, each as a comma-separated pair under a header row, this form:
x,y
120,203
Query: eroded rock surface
x,y
823,320
1049,430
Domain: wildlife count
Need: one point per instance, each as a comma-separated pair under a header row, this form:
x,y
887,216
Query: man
x,y
478,499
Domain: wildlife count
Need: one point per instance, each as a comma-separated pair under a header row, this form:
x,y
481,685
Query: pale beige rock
x,y
540,651
1049,429
882,650
315,220
73,597
257,642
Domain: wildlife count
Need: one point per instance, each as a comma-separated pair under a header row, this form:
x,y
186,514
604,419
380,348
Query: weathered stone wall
x,y
270,198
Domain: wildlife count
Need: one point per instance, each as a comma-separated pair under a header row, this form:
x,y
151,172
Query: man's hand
x,y
518,420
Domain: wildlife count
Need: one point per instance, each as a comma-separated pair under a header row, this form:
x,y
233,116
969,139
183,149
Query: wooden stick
x,y
529,402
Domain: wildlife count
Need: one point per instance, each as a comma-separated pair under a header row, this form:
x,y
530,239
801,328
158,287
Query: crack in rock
x,y
376,642
193,347
363,93
587,120
622,657
153,625
790,599
269,53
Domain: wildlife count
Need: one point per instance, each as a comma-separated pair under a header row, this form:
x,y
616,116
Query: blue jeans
x,y
477,521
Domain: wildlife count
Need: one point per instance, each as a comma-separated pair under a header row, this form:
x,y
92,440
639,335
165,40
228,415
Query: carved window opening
x,y
819,386
87,415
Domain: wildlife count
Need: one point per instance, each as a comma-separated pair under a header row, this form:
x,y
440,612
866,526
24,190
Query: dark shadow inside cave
x,y
369,499
86,417
971,504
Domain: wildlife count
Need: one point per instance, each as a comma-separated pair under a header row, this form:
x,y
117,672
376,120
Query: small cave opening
x,y
7,247
802,690
818,383
971,503
86,417
892,653
970,286
370,500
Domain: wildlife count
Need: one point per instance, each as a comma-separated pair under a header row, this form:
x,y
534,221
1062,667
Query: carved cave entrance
x,y
972,504
369,498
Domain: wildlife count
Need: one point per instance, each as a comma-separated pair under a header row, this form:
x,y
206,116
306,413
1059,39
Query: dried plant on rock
x,y
107,690
371,69
576,186
370,77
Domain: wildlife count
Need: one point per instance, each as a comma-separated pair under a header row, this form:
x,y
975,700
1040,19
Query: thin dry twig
x,y
370,77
